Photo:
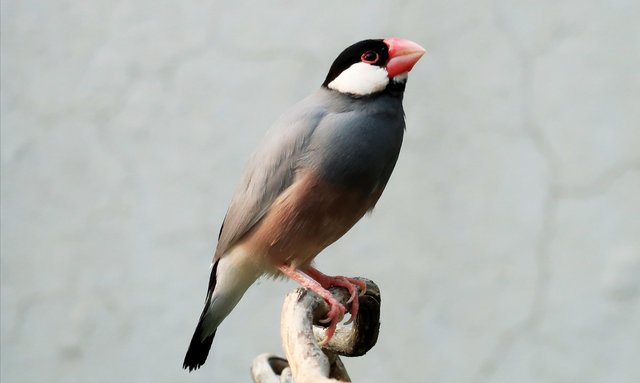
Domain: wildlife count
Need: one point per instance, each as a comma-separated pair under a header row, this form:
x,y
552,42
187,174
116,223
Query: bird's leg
x,y
336,310
349,283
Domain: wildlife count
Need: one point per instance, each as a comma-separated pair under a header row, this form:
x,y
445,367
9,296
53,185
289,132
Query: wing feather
x,y
269,171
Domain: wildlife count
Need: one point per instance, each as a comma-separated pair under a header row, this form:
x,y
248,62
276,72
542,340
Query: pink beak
x,y
403,55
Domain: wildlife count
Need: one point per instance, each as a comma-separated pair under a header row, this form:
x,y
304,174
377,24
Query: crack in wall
x,y
546,233
555,193
24,306
547,226
600,185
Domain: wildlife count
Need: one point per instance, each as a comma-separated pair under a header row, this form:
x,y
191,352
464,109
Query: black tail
x,y
198,351
199,348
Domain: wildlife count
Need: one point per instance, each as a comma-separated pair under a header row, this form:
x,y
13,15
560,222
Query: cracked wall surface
x,y
506,246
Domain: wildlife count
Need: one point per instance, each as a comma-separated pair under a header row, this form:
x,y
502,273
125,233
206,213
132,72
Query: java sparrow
x,y
320,168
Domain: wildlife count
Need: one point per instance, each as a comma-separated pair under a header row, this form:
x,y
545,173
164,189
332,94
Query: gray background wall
x,y
507,244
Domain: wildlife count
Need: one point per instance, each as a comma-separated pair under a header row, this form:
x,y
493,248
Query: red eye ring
x,y
367,57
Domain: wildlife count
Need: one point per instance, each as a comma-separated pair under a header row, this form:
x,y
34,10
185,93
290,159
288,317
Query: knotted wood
x,y
301,332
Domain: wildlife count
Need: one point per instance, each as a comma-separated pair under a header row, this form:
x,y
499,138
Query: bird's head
x,y
370,66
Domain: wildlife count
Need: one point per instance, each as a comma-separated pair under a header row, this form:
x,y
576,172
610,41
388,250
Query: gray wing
x,y
269,172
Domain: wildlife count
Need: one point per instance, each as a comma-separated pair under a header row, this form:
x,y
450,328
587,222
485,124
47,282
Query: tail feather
x,y
199,348
231,276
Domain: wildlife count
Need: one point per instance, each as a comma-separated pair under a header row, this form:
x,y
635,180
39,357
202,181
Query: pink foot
x,y
349,283
336,310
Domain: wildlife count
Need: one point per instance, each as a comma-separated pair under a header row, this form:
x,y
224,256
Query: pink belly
x,y
307,217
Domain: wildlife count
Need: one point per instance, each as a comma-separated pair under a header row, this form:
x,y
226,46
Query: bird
x,y
320,168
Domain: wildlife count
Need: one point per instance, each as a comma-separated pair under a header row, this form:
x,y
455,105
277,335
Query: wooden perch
x,y
308,362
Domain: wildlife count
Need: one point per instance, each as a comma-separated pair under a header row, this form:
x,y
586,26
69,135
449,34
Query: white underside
x,y
235,274
361,79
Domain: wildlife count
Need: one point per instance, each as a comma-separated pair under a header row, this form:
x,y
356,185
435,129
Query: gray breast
x,y
357,143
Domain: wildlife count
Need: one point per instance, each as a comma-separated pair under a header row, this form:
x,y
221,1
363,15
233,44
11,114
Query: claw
x,y
319,283
353,296
362,285
350,320
329,333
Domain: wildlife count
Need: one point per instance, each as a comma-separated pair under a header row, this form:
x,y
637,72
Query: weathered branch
x,y
308,362
269,368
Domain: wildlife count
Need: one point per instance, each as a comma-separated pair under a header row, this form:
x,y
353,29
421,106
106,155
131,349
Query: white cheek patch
x,y
401,78
361,79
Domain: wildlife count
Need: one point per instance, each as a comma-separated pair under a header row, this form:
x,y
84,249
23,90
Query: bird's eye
x,y
370,57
